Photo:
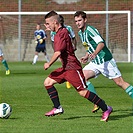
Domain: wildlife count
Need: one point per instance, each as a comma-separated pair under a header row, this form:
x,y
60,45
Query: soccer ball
x,y
5,110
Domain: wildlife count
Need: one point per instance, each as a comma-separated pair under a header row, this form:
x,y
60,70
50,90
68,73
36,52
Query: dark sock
x,y
96,100
53,94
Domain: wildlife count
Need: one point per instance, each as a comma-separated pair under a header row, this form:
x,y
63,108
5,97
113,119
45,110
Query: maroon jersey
x,y
62,43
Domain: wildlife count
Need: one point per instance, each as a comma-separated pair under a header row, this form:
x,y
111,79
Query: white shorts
x,y
1,53
109,69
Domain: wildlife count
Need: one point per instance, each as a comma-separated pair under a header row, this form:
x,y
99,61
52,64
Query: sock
x,y
46,57
68,85
35,59
53,94
129,91
96,100
90,87
5,64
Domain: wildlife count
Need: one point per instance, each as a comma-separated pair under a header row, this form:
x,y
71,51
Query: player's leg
x,y
124,85
35,58
91,88
107,110
53,94
49,82
80,85
46,56
37,51
111,71
89,73
4,62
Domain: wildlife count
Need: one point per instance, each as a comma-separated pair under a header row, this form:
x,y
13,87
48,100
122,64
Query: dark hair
x,y
61,19
78,13
50,14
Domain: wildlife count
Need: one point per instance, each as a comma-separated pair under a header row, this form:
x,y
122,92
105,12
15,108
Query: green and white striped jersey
x,y
90,38
69,28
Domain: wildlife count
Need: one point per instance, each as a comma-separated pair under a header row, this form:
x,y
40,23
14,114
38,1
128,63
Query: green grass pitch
x,y
23,89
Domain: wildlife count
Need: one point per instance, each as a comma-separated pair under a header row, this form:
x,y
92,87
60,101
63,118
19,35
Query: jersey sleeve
x,y
34,34
94,34
43,33
71,32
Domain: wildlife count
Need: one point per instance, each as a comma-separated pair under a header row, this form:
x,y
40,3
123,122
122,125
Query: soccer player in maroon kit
x,y
70,71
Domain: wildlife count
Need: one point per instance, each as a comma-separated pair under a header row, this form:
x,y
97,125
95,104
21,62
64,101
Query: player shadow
x,y
20,73
13,118
118,117
78,117
123,114
10,118
105,87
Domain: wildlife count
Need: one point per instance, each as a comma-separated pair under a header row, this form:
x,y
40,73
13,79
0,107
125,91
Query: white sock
x,y
46,57
35,59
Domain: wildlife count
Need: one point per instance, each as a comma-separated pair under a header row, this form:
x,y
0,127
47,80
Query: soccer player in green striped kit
x,y
4,62
101,59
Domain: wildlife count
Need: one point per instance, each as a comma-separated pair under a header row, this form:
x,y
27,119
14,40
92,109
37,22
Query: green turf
x,y
24,91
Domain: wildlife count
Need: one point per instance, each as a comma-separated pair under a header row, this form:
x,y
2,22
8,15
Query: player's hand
x,y
46,66
47,29
92,56
84,60
36,42
40,41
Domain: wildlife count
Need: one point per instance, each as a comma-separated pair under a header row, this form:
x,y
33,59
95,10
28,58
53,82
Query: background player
x,y
40,37
102,61
70,69
4,62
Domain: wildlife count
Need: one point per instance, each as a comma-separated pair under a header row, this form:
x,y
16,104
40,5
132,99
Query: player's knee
x,y
1,58
119,82
82,93
47,82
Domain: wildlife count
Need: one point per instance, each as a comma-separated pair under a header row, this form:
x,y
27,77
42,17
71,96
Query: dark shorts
x,y
40,48
75,77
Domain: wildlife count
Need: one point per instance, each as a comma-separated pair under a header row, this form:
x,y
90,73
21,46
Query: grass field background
x,y
23,89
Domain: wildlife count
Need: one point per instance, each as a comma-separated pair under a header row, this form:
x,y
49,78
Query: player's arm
x,y
53,59
35,38
41,40
45,35
98,40
85,58
99,47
